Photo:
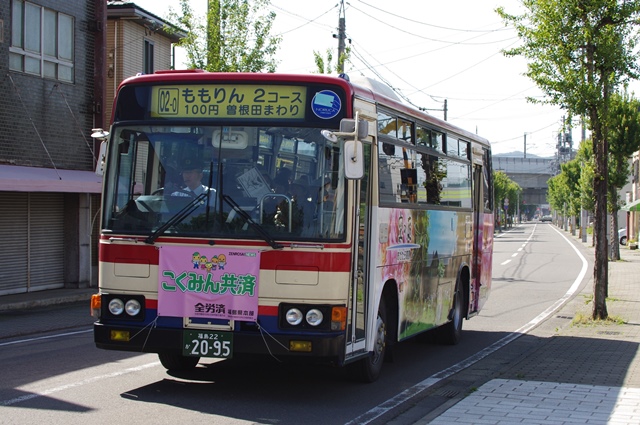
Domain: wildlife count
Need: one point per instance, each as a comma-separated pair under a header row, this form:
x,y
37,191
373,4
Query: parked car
x,y
546,218
622,236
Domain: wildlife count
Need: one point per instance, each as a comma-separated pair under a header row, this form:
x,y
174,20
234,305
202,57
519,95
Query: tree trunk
x,y
601,264
615,245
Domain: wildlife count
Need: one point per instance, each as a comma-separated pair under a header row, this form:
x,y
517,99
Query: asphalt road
x,y
60,377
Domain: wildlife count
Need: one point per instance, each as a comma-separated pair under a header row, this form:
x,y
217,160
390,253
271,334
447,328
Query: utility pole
x,y
341,37
525,145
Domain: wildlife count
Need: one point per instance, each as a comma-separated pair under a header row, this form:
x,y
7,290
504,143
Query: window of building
x,y
148,57
41,41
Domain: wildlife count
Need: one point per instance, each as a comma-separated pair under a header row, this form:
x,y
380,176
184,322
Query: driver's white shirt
x,y
196,192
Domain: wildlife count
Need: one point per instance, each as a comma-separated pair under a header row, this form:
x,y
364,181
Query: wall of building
x,y
125,54
47,123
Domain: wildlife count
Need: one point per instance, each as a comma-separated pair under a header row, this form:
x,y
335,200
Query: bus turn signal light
x,y
338,318
96,305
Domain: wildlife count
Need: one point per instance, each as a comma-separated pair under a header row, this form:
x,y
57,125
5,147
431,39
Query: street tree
x,y
584,156
234,36
558,193
578,53
324,64
505,188
624,141
571,180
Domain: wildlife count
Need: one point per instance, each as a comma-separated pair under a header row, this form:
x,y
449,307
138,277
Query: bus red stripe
x,y
270,260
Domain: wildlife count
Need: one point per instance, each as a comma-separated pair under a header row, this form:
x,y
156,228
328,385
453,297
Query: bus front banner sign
x,y
229,101
208,282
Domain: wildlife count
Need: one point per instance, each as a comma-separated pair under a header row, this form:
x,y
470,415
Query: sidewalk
x,y
55,309
566,374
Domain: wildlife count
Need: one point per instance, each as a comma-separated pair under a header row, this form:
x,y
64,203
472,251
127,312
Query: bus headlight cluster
x,y
313,317
123,306
306,316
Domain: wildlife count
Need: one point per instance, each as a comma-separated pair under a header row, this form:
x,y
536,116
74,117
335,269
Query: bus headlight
x,y
314,317
132,307
116,306
294,316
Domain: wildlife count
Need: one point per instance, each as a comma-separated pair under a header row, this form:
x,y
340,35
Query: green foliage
x,y
624,140
575,48
585,157
578,53
233,37
505,188
325,67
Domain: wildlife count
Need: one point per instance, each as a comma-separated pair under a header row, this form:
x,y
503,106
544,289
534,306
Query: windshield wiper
x,y
255,226
176,219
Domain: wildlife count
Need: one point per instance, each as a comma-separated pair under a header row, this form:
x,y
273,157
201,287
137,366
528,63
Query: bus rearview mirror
x,y
353,160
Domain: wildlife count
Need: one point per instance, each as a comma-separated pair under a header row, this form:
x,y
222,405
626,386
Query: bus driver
x,y
191,170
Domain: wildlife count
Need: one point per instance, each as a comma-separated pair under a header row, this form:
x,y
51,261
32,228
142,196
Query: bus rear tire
x,y
450,333
368,369
177,362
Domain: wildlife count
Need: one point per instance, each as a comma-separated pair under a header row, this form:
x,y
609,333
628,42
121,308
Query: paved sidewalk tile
x,y
503,401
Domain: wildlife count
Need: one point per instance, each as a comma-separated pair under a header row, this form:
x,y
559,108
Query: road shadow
x,y
267,392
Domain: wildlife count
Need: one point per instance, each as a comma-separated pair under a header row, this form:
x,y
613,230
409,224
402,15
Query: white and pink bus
x,y
301,217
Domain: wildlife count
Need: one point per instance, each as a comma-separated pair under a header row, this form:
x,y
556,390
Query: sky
x,y
428,51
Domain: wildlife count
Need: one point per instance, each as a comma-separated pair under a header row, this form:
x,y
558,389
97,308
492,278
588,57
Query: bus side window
x,y
385,182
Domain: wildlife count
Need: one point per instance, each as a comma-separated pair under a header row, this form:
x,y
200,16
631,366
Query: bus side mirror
x,y
100,134
352,149
101,159
353,159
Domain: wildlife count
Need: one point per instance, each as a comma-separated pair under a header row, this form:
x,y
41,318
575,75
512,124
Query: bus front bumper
x,y
329,348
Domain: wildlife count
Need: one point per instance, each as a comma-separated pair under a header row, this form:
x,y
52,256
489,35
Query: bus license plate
x,y
207,344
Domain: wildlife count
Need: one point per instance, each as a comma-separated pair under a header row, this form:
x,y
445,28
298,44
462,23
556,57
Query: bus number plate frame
x,y
198,343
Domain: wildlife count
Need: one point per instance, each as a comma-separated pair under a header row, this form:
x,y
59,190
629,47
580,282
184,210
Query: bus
x,y
331,221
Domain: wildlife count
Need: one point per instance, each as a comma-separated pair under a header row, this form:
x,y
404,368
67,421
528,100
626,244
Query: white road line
x,y
22,341
77,384
407,394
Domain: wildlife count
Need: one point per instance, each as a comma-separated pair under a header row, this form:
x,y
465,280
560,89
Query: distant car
x,y
622,236
546,218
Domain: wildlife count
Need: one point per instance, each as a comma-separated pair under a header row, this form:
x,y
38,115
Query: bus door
x,y
359,289
478,220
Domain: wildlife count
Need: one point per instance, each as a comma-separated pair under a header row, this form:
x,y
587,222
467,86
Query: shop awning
x,y
36,179
632,206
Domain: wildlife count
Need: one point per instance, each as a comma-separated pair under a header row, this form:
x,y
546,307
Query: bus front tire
x,y
175,361
368,369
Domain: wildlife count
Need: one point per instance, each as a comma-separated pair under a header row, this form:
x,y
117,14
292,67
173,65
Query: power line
x,y
427,38
386,12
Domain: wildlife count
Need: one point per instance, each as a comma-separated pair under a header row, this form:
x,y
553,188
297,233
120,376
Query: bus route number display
x,y
228,101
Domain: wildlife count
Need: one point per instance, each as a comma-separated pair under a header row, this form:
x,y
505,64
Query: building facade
x,y
531,174
55,72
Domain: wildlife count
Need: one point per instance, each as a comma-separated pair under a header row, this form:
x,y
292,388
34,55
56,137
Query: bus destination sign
x,y
239,101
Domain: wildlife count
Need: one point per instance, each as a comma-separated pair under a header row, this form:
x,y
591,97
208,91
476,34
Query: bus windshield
x,y
268,182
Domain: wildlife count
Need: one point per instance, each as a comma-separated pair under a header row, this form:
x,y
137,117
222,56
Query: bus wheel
x,y
175,361
368,369
450,333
